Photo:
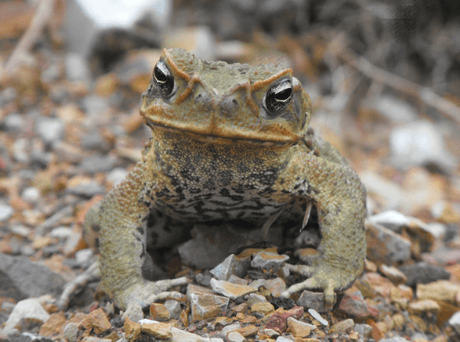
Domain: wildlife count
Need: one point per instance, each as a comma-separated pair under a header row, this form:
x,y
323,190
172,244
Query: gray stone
x,y
174,308
313,300
231,266
76,68
87,190
5,212
255,298
51,73
31,195
94,105
21,278
98,163
423,273
14,122
94,141
84,257
454,320
117,175
394,339
390,219
9,94
394,109
389,191
212,244
49,129
26,314
71,332
266,260
364,330
386,246
21,151
420,143
230,290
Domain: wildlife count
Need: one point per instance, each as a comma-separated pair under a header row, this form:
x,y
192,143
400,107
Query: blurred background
x,y
383,76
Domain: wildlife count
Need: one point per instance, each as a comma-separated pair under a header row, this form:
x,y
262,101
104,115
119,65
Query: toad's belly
x,y
226,204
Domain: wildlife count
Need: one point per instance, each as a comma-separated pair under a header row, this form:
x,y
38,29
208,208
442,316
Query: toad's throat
x,y
225,136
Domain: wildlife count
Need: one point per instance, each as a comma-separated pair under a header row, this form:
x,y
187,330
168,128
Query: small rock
x,y
275,286
391,219
423,273
455,320
159,312
50,130
230,290
426,307
394,109
237,280
265,260
26,315
204,303
357,308
300,329
398,321
117,175
53,325
394,339
71,332
76,68
255,298
235,336
401,295
385,246
441,290
5,212
445,212
248,330
14,122
283,302
389,192
380,285
86,189
364,330
318,317
97,163
31,195
231,327
96,320
95,339
232,265
132,329
278,321
342,326
420,143
263,308
174,308
313,300
22,278
283,339
392,273
83,257
159,330
179,335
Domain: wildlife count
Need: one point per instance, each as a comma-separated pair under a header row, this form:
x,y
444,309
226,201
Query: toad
x,y
229,142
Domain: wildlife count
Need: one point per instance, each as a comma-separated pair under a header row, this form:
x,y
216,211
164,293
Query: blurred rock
x,y
394,109
94,105
174,308
278,321
5,212
423,273
53,325
391,219
26,315
385,246
117,175
71,332
30,195
86,189
420,143
275,286
98,163
13,122
50,130
357,308
388,192
364,330
455,320
197,40
342,326
441,290
76,68
378,284
96,320
392,273
161,331
313,300
264,308
159,312
425,307
235,336
22,278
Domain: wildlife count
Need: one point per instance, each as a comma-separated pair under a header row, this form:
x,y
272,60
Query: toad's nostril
x,y
229,105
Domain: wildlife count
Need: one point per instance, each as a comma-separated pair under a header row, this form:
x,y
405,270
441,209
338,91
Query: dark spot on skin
x,y
97,243
141,230
225,177
96,228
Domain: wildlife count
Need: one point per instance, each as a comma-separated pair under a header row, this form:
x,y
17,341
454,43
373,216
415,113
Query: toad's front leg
x,y
120,219
340,199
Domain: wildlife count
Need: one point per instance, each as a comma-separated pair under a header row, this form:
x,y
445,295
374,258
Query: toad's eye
x,y
164,78
278,97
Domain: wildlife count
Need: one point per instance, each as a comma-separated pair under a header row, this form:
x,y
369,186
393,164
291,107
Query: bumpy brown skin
x,y
218,153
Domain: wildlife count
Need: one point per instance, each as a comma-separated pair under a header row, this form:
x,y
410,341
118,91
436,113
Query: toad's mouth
x,y
222,135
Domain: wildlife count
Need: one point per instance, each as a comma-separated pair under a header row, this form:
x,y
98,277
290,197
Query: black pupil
x,y
278,96
164,78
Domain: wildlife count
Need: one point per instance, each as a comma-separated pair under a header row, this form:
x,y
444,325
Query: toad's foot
x,y
148,292
323,277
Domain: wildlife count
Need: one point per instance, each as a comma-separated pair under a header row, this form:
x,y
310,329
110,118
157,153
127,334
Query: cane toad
x,y
229,142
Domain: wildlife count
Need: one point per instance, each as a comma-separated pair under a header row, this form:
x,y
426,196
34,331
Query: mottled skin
x,y
220,151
